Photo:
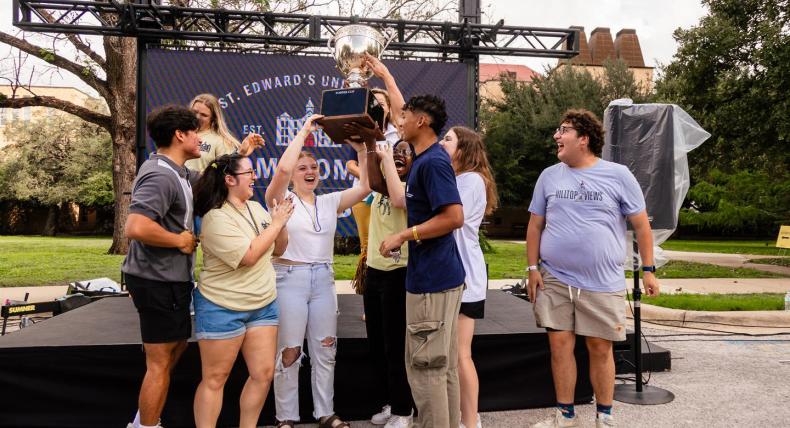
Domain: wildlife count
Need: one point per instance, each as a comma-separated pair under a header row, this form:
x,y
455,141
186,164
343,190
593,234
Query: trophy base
x,y
347,105
333,127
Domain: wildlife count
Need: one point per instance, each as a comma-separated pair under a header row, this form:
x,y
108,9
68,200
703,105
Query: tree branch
x,y
78,43
86,114
84,73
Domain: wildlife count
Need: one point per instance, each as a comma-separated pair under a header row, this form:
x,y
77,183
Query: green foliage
x,y
519,128
745,202
723,247
732,74
58,159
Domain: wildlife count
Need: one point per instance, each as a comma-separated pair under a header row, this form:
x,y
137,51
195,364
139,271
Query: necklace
x,y
253,224
313,219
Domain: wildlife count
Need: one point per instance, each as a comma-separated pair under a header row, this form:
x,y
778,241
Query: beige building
x,y
491,76
8,115
601,48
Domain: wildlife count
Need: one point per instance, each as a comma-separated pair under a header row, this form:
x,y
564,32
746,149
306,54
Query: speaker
x,y
641,137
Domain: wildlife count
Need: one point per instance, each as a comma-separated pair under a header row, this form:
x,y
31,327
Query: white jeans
x,y
308,309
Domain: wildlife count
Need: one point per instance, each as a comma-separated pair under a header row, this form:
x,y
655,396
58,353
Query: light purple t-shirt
x,y
583,244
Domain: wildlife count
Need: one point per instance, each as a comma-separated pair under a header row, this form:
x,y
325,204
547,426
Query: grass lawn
x,y
785,261
719,302
35,260
728,247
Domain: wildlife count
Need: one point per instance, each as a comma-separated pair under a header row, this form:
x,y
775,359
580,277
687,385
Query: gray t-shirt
x,y
583,244
162,192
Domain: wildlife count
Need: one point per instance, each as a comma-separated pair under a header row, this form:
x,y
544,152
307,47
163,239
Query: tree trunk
x,y
51,226
122,81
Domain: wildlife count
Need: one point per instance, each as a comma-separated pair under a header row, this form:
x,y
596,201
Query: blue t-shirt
x,y
583,244
434,265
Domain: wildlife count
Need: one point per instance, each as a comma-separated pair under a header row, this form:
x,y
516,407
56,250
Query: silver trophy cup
x,y
355,103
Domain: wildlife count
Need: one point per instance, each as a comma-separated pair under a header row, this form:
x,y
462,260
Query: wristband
x,y
415,235
530,268
651,268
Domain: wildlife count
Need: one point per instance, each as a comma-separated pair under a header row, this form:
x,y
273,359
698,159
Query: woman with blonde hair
x,y
479,197
306,280
215,137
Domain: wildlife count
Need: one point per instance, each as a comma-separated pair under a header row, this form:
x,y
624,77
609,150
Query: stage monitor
x,y
273,95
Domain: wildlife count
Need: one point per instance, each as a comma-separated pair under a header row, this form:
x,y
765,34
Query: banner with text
x,y
273,95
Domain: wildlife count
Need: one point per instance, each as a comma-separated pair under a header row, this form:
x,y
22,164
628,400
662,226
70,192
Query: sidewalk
x,y
729,260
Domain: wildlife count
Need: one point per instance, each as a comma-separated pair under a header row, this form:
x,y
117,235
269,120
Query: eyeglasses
x,y
563,129
251,172
402,152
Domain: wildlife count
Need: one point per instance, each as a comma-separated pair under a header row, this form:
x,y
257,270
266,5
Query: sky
x,y
653,21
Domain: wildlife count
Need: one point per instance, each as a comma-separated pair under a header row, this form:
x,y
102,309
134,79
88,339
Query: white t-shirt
x,y
472,189
311,229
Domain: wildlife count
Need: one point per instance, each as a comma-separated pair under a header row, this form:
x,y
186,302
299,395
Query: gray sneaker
x,y
396,421
603,420
558,421
383,416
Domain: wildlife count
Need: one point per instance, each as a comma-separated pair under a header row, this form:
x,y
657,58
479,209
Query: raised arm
x,y
375,176
395,190
287,162
381,71
351,196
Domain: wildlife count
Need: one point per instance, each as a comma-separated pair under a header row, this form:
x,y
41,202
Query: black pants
x,y
385,319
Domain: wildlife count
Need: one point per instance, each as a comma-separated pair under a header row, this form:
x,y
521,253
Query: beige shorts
x,y
587,313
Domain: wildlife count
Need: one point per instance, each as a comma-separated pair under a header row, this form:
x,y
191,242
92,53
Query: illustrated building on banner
x,y
288,127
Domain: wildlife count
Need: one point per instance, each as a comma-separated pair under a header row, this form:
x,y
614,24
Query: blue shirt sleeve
x,y
440,185
633,200
538,204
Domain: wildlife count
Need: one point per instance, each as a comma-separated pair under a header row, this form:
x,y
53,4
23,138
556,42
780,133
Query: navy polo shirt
x,y
435,264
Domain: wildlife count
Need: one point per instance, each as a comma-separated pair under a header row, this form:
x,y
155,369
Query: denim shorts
x,y
213,321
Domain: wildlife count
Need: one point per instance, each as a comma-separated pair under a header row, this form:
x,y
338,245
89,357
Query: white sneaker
x,y
478,425
396,421
603,420
558,421
383,416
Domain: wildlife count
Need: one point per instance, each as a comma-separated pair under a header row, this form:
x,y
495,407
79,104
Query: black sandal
x,y
329,423
285,424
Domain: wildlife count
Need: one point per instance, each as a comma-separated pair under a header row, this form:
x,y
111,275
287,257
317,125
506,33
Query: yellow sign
x,y
18,309
783,240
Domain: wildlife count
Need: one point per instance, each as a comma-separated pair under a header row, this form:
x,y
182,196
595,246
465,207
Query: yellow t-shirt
x,y
226,235
212,146
384,221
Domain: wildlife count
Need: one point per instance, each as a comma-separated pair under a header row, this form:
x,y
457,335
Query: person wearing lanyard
x,y
158,268
236,300
305,279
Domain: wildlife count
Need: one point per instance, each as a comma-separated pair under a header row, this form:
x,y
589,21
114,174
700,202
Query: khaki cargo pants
x,y
432,356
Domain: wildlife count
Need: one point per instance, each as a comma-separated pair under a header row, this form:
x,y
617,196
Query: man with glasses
x,y
576,248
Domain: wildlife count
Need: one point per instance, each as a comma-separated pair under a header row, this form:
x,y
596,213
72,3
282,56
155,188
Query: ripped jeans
x,y
308,309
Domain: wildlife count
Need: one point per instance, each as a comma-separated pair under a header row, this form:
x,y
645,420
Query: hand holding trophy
x,y
356,103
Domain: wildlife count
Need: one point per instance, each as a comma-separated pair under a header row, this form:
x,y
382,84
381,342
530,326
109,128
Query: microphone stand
x,y
639,393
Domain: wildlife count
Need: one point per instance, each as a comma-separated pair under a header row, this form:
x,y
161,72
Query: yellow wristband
x,y
415,235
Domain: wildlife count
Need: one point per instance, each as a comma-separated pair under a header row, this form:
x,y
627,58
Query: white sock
x,y
149,426
136,421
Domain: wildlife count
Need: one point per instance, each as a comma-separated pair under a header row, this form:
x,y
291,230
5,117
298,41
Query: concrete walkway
x,y
729,260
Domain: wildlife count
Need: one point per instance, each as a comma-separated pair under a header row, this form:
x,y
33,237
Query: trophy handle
x,y
329,41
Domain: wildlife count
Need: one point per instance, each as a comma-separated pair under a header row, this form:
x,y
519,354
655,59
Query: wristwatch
x,y
530,268
651,268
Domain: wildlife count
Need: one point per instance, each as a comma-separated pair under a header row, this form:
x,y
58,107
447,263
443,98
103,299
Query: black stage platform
x,y
84,368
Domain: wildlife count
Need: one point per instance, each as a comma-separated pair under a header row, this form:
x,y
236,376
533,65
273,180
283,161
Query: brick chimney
x,y
601,45
626,47
584,57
